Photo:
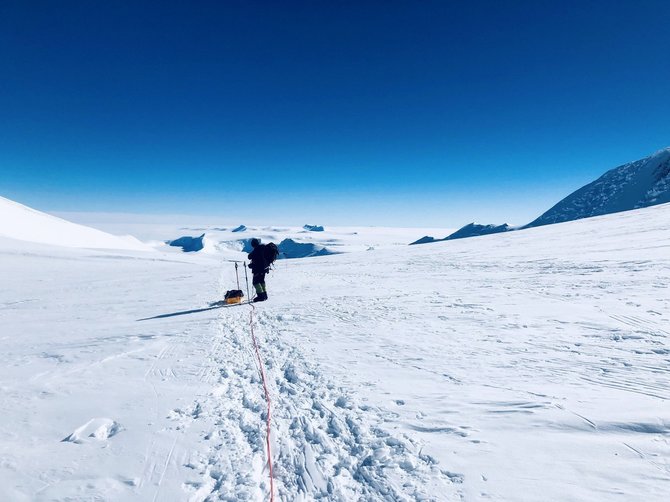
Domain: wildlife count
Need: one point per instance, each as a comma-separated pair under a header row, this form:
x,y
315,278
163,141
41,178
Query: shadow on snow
x,y
212,306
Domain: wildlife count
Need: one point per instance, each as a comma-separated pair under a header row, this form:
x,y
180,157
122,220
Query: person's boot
x,y
259,293
261,297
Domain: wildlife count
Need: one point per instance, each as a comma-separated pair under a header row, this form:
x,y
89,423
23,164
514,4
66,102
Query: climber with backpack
x,y
261,258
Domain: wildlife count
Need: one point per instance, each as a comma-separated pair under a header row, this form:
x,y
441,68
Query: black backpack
x,y
271,252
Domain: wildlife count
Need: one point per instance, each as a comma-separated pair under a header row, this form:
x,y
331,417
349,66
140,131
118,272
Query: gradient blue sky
x,y
349,112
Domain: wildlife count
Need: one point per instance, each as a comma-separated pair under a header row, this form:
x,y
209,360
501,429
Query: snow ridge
x,y
469,230
26,224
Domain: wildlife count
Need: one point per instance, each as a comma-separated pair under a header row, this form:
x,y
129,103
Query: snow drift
x,y
25,224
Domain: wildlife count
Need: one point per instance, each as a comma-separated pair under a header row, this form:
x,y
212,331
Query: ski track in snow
x,y
325,444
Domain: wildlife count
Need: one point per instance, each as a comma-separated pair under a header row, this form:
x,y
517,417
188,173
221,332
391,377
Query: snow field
x,y
532,365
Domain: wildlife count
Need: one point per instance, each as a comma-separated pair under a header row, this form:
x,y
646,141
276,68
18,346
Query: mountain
x,y
426,239
634,185
469,230
475,229
22,223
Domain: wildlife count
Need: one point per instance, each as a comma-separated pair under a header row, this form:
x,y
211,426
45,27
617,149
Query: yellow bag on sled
x,y
233,296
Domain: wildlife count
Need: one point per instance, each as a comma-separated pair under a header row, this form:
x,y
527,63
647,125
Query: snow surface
x,y
527,365
25,224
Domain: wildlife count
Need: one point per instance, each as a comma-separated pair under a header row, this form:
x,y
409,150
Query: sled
x,y
233,296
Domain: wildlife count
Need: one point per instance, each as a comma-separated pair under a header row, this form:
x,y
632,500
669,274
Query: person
x,y
259,267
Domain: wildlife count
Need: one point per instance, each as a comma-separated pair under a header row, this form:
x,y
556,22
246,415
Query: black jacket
x,y
258,262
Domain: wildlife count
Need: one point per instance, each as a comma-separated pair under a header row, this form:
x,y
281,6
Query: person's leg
x,y
263,295
257,282
265,292
259,285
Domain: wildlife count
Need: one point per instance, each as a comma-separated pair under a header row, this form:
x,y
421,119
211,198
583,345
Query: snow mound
x,y
634,185
25,224
288,248
96,429
189,244
193,244
313,228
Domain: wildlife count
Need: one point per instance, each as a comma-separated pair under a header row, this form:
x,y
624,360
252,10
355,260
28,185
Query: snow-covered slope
x,y
522,366
634,185
23,223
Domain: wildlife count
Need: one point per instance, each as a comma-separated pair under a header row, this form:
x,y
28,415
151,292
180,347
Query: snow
x,y
526,365
25,224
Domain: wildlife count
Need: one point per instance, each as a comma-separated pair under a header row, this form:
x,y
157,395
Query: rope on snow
x,y
267,400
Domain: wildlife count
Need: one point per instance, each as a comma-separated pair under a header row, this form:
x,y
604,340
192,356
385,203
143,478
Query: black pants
x,y
258,281
258,278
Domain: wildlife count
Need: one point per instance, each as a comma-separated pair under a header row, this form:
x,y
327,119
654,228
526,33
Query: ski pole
x,y
238,276
246,277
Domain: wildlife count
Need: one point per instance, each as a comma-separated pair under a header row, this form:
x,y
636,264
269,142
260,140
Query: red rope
x,y
267,399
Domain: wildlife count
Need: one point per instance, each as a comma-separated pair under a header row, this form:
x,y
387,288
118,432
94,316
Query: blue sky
x,y
389,113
